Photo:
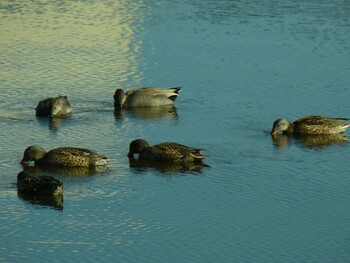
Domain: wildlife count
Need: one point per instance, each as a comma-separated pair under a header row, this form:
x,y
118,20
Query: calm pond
x,y
242,65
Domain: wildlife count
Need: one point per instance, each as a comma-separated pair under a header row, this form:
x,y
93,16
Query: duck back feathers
x,y
38,185
165,152
311,125
54,107
145,97
64,156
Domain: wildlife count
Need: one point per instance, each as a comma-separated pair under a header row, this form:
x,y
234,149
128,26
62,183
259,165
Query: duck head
x,y
32,153
119,98
282,125
137,146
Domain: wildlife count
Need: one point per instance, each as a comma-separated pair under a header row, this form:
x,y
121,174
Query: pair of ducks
x,y
141,97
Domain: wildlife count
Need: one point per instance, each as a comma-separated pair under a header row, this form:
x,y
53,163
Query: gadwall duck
x,y
53,107
145,97
38,185
311,125
64,156
165,152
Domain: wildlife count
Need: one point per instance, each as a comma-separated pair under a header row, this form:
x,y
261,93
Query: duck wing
x,y
321,124
72,156
180,151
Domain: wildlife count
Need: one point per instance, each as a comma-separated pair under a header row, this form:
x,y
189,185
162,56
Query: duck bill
x,y
130,155
274,132
24,162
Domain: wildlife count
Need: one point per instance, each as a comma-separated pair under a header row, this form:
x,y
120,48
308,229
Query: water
x,y
242,65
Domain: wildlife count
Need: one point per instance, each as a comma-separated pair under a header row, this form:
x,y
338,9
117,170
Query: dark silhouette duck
x,y
145,97
53,107
38,185
165,152
64,156
311,125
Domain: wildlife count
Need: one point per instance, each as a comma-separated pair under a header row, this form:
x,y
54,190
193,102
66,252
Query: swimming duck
x,y
64,156
166,152
145,97
54,107
38,185
311,125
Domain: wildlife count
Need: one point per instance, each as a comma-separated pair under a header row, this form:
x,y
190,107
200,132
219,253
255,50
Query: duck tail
x,y
175,93
177,89
198,156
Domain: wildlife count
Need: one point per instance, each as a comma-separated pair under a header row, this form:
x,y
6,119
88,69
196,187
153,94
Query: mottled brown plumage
x,y
165,152
145,97
64,156
38,185
311,125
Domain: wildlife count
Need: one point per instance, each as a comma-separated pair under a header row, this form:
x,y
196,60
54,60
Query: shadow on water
x,y
311,141
188,167
67,171
167,111
55,202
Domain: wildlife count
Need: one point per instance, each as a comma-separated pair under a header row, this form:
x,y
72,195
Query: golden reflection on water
x,y
49,43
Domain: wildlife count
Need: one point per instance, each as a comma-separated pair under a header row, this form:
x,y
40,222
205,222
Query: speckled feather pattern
x,y
320,125
311,125
69,156
64,156
169,151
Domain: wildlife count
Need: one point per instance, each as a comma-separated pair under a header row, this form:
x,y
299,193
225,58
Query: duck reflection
x,y
55,202
166,111
68,171
175,167
310,140
54,123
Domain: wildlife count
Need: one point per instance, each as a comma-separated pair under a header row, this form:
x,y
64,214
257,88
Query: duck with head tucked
x,y
145,97
311,125
165,152
64,156
53,107
38,185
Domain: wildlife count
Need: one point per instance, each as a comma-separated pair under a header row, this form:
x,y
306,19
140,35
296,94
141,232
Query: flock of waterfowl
x,y
167,152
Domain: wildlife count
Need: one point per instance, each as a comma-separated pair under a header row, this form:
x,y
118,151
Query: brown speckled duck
x,y
38,185
64,156
145,97
165,152
53,107
311,125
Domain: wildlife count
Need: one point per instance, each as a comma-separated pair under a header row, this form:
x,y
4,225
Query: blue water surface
x,y
242,65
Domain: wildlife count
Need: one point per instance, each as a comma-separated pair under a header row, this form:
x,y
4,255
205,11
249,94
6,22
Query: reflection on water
x,y
185,167
53,123
283,140
64,44
167,111
55,202
39,169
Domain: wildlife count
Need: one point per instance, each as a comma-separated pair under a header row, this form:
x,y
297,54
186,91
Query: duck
x,y
311,125
53,107
165,152
145,97
64,156
38,185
